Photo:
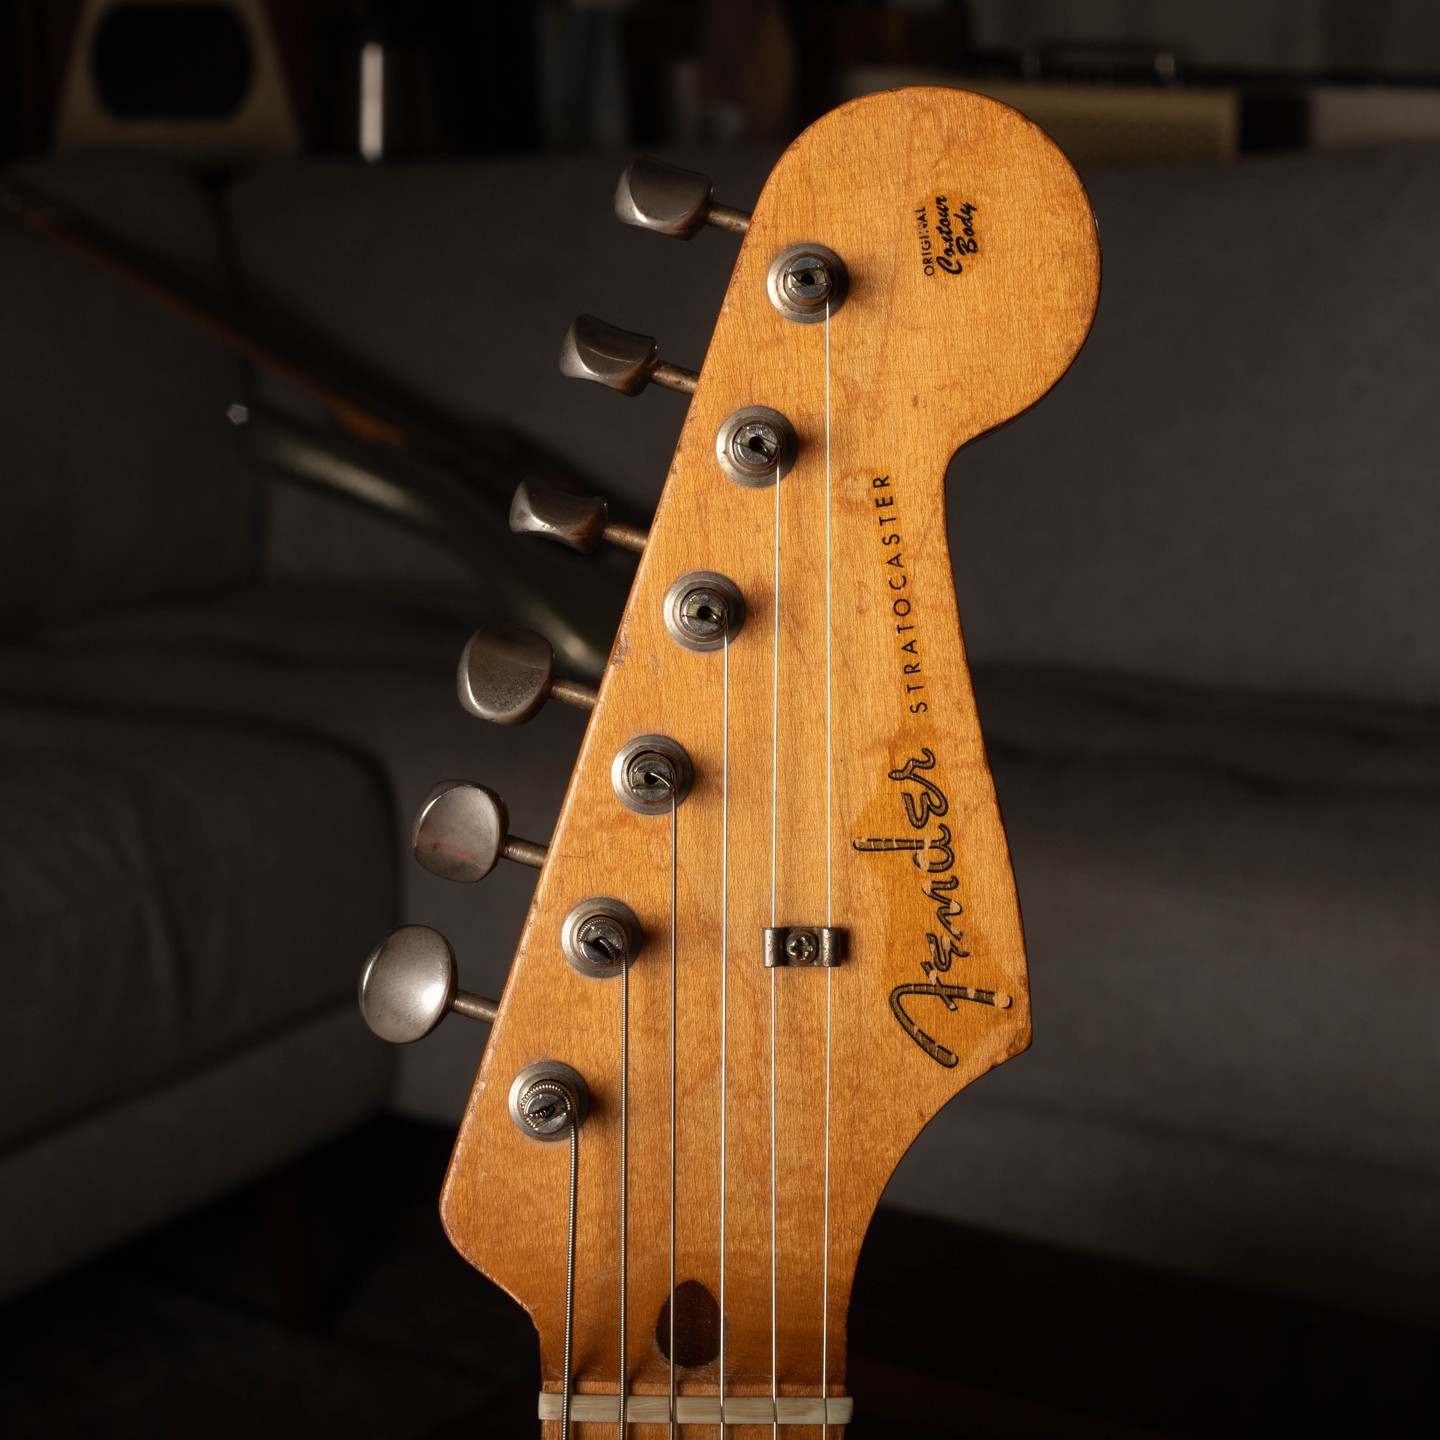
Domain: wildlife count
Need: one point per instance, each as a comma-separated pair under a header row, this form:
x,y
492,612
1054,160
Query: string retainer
x,y
812,946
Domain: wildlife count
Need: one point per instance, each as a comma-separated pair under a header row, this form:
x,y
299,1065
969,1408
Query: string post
x,y
704,610
756,445
651,774
549,1099
807,283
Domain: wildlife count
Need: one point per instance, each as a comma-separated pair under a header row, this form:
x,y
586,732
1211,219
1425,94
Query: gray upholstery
x,y
119,477
142,1158
1233,487
169,892
372,669
1230,947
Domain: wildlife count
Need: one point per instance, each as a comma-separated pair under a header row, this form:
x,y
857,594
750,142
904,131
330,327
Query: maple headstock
x,y
839,784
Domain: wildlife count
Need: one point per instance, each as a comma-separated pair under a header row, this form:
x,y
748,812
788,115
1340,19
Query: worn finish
x,y
868,763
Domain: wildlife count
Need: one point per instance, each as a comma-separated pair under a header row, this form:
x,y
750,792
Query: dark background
x,y
323,1299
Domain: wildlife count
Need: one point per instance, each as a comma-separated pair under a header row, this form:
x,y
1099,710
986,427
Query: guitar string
x,y
674,924
724,966
774,921
829,901
570,1275
624,1190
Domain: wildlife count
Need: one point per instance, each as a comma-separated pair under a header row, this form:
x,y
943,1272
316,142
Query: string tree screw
x,y
807,282
704,610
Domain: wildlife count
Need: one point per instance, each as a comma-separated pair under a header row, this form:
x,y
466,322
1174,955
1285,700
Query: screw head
x,y
802,947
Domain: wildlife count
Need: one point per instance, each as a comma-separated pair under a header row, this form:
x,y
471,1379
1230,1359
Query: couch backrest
x,y
1238,483
1235,486
120,479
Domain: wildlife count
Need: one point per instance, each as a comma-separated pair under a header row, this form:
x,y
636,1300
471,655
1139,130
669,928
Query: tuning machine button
x,y
506,674
593,349
580,521
462,830
409,985
657,196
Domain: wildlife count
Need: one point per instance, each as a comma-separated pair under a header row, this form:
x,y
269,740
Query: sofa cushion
x,y
120,479
169,893
1232,917
1234,486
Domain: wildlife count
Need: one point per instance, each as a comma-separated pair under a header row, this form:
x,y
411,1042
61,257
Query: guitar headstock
x,y
782,809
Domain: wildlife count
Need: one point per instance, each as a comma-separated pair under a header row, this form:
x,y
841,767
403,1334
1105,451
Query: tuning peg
x,y
506,675
619,359
657,196
460,833
408,986
579,521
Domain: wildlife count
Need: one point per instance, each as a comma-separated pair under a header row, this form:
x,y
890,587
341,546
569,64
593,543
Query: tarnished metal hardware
x,y
461,830
506,674
672,201
820,946
756,445
410,983
546,1098
702,609
806,282
651,774
619,359
601,936
580,521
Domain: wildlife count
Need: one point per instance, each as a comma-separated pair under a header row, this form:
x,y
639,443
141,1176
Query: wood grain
x,y
919,364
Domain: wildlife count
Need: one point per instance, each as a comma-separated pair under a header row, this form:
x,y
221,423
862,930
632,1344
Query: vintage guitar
x,y
776,928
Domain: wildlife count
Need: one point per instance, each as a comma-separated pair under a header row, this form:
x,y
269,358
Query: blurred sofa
x,y
1199,591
